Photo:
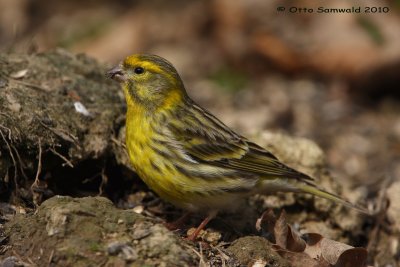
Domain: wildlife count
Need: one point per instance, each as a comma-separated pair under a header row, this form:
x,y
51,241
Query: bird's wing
x,y
208,141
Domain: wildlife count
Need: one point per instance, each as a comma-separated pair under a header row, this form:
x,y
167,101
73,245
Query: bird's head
x,y
149,80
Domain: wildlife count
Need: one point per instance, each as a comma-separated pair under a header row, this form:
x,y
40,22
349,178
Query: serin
x,y
188,156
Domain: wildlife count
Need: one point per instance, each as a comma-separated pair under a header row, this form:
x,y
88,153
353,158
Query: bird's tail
x,y
311,189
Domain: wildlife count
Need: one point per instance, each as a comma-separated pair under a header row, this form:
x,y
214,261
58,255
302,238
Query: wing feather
x,y
209,141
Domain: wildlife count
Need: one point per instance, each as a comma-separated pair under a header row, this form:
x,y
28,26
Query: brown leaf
x,y
297,259
266,222
313,245
294,242
281,230
354,257
335,253
331,249
315,250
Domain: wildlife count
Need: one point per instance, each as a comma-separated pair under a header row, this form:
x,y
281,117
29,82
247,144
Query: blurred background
x,y
333,78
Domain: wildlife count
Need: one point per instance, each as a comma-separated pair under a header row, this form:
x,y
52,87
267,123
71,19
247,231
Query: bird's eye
x,y
138,70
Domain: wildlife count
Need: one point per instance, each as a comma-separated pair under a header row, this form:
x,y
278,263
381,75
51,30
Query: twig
x,y
50,258
67,162
31,261
13,159
21,165
10,137
89,179
223,256
21,261
38,171
39,168
104,180
6,177
380,214
202,262
9,131
382,194
34,86
66,136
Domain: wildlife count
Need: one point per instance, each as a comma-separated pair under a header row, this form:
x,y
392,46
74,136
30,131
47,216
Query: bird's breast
x,y
165,167
149,158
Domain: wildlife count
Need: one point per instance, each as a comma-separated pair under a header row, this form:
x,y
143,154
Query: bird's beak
x,y
117,74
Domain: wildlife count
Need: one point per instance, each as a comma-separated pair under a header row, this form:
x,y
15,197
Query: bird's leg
x,y
210,216
179,222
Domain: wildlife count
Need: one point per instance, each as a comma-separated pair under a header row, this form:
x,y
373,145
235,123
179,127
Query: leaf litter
x,y
311,249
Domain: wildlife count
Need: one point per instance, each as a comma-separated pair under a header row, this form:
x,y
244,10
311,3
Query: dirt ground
x,y
65,149
323,99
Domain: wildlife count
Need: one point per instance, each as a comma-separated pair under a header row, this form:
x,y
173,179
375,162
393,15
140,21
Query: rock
x,y
67,231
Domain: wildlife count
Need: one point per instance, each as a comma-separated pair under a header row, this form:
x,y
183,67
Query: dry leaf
x,y
298,259
294,242
336,253
315,250
281,230
331,250
266,221
284,235
354,257
313,247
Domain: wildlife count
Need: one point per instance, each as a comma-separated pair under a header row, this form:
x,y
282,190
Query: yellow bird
x,y
189,157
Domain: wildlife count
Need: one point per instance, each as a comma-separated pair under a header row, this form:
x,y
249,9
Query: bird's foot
x,y
192,237
179,223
